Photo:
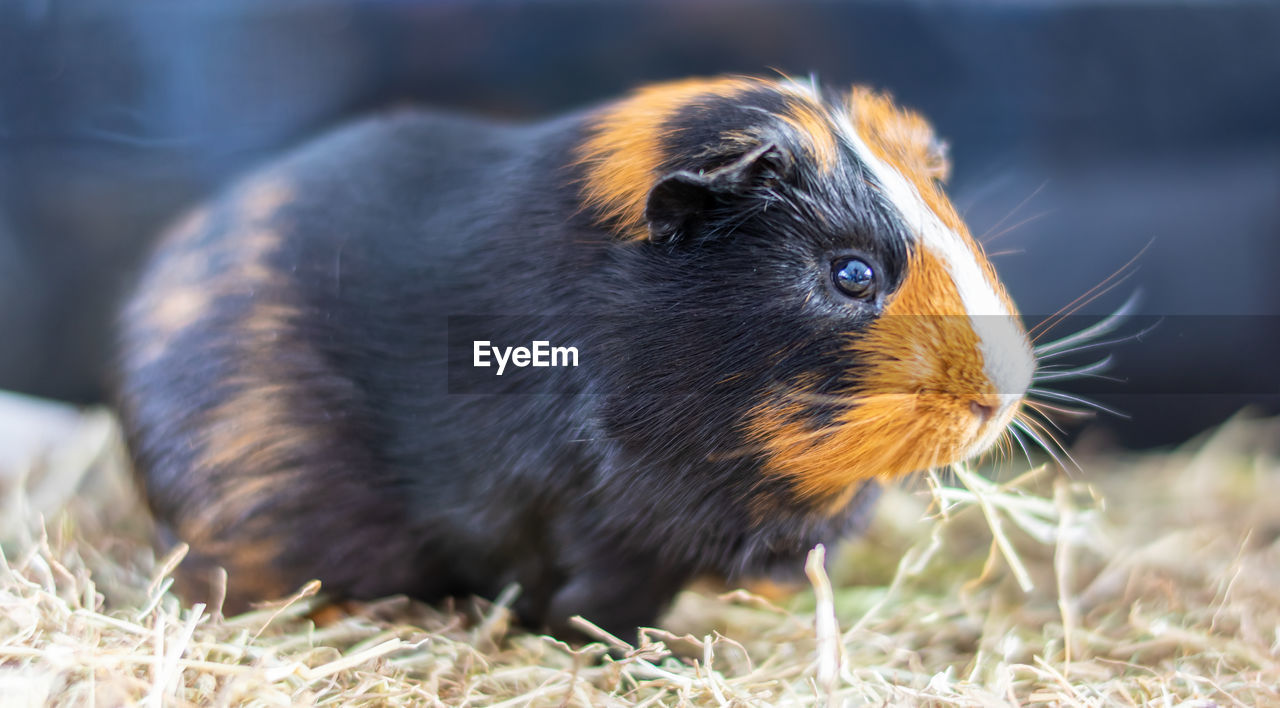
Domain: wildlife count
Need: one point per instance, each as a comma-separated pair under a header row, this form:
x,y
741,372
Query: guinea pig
x,y
771,303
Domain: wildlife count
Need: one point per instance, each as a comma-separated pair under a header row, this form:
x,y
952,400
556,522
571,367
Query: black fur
x,y
601,497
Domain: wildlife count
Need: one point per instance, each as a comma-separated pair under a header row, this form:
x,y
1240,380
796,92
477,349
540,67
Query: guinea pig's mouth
x,y
929,391
881,435
995,414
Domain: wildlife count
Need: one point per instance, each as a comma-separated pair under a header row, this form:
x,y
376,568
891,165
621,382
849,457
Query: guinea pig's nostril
x,y
983,411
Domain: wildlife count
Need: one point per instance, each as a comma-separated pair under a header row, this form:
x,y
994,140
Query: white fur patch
x,y
1006,354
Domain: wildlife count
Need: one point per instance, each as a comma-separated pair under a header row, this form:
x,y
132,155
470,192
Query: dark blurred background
x,y
1081,132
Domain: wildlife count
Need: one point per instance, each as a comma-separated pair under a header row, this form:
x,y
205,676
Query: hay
x,y
1166,594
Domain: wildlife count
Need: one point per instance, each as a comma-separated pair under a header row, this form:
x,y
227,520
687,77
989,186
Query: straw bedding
x,y
1143,579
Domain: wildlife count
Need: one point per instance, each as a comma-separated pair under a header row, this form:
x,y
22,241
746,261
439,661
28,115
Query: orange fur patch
x,y
183,289
812,122
900,137
909,409
175,297
178,309
249,432
625,150
624,153
263,198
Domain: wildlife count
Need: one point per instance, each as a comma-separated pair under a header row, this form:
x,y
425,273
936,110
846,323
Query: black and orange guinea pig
x,y
771,303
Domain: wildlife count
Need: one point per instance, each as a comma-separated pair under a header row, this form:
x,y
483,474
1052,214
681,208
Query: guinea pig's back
x,y
288,338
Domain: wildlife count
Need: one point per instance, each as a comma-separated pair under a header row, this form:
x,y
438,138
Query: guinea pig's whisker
x,y
1119,276
1015,434
1079,372
1041,427
995,453
1013,443
1090,335
1013,227
1035,430
1023,426
1090,346
1073,398
1071,308
1048,408
998,453
1003,451
1087,346
1006,252
1006,444
987,236
1043,410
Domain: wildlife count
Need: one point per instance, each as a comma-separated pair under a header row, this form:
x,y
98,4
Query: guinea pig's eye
x,y
854,277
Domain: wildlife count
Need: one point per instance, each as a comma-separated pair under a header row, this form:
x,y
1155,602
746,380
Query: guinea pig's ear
x,y
680,201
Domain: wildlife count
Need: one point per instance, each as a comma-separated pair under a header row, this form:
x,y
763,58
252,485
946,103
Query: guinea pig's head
x,y
792,249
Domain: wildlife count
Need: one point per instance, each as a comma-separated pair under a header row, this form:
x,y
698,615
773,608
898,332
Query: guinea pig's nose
x,y
983,411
